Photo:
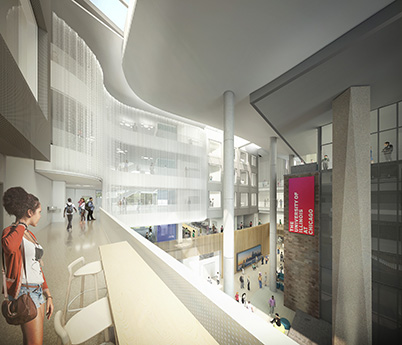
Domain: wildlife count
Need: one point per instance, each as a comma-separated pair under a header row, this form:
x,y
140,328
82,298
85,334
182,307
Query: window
x,y
326,134
373,121
243,157
253,180
244,178
254,199
215,149
214,173
243,199
254,160
388,117
214,199
166,131
389,136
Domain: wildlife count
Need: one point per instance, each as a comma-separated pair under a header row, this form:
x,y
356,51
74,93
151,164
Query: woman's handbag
x,y
23,309
20,311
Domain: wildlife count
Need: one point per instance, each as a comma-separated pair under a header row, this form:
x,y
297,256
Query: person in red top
x,y
27,211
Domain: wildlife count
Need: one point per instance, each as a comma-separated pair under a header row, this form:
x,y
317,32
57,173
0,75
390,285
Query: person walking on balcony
x,y
325,162
69,210
81,209
90,208
387,150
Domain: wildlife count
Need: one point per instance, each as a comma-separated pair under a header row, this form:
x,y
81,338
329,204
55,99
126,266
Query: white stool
x,y
84,325
90,269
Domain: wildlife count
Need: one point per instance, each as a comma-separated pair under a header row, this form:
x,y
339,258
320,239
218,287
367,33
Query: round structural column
x,y
291,163
272,213
228,194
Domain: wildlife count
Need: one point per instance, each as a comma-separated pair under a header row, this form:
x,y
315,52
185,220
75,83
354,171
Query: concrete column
x,y
59,200
351,222
180,233
228,192
272,213
255,219
291,162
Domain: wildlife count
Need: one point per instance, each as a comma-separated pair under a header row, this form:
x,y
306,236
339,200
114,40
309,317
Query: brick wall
x,y
301,266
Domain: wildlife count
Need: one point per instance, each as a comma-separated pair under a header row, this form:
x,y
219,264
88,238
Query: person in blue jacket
x,y
90,208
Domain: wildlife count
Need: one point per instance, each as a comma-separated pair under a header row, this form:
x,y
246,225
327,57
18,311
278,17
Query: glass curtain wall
x,y
154,169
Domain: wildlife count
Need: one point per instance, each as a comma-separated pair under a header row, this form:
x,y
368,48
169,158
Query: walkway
x,y
60,249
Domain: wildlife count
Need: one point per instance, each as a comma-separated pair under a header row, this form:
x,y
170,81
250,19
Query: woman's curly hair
x,y
17,202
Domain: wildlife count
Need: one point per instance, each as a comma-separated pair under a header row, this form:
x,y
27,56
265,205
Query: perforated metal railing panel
x,y
218,323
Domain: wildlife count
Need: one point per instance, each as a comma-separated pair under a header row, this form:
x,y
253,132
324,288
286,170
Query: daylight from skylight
x,y
116,10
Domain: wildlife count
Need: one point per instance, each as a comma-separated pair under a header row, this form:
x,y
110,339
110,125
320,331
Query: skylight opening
x,y
115,10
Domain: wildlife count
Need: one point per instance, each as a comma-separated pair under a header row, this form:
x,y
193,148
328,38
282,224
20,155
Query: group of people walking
x,y
83,207
245,303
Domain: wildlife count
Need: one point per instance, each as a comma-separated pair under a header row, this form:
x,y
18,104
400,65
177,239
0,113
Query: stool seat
x,y
90,268
90,321
84,325
84,270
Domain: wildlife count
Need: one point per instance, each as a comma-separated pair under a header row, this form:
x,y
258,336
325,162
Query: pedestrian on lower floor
x,y
243,298
241,282
260,279
272,304
248,283
249,306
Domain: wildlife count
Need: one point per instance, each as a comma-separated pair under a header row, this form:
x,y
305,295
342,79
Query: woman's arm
x,y
49,303
12,238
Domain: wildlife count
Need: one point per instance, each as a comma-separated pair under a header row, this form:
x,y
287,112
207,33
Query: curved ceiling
x,y
181,56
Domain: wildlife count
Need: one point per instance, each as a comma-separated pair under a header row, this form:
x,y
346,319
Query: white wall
x,y
76,194
58,200
20,172
264,217
204,268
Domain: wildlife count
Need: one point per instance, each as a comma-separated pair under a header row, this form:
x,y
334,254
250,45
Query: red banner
x,y
301,205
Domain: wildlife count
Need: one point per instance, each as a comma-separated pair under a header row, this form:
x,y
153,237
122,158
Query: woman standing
x,y
81,208
27,211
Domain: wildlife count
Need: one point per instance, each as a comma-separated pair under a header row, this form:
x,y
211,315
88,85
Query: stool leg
x,y
107,336
82,291
96,287
67,300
